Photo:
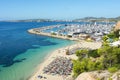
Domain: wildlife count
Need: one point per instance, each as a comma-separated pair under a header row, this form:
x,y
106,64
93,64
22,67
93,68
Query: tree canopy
x,y
106,57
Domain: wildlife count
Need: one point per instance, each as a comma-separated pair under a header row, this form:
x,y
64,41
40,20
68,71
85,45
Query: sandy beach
x,y
48,34
61,52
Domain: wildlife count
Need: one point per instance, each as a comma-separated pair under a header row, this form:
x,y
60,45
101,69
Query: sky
x,y
58,9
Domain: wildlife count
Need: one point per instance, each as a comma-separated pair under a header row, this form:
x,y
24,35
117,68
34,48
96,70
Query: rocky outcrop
x,y
117,25
85,76
99,75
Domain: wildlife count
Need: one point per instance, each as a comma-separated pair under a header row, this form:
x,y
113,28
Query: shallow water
x,y
21,52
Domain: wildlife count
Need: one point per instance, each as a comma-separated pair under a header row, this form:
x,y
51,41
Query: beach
x,y
32,31
61,53
25,51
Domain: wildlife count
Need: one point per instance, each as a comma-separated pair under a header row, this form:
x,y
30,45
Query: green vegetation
x,y
110,78
114,36
112,69
53,34
105,58
101,59
93,53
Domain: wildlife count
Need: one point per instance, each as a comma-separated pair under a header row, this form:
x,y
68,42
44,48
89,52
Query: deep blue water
x,y
15,40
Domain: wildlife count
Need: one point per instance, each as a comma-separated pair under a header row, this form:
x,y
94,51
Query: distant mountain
x,y
94,18
97,19
85,19
29,20
37,20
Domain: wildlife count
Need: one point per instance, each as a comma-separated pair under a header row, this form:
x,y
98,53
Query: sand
x,y
61,52
49,34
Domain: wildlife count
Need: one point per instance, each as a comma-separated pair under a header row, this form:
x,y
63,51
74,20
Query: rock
x,y
116,76
117,25
94,75
100,75
85,76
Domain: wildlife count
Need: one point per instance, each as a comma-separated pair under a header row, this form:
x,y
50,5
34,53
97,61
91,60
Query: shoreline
x,y
49,35
46,61
61,52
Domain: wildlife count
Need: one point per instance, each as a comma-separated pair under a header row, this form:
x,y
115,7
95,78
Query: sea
x,y
22,52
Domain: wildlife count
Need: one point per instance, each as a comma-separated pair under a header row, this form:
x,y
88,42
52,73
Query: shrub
x,y
110,78
112,69
94,53
98,78
53,34
77,53
76,68
99,66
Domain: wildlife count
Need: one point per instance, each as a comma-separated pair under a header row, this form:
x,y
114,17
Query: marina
x,y
94,31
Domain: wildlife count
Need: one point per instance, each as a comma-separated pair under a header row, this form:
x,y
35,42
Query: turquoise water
x,y
23,70
21,52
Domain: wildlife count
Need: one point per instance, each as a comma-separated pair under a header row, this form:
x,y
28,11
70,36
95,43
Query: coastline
x,y
48,34
61,52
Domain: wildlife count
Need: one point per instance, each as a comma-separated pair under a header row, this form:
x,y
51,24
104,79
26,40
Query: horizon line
x,y
55,19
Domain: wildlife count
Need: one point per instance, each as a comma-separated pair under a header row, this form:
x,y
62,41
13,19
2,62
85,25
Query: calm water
x,y
21,52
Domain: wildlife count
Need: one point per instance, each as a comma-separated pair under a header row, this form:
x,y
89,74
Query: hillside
x,y
97,19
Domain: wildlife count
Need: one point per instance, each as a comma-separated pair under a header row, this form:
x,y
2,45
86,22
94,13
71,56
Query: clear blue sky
x,y
58,9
